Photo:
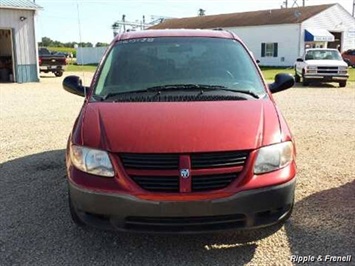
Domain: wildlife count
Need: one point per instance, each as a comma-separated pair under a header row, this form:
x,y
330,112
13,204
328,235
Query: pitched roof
x,y
253,18
19,4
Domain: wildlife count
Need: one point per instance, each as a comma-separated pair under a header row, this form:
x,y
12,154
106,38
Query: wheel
x,y
58,74
297,77
305,82
74,216
342,84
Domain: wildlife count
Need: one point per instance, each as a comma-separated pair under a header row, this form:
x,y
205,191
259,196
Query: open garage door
x,y
337,41
6,56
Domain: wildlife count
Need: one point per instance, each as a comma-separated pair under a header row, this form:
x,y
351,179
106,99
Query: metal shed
x,y
18,45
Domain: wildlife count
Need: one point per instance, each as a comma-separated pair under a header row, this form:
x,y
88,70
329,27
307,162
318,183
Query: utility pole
x,y
124,25
285,4
296,4
201,12
124,22
354,8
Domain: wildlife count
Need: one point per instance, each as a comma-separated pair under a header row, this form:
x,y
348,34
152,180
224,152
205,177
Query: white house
x,y
278,36
18,45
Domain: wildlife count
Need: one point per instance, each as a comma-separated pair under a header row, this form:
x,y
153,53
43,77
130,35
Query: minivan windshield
x,y
139,64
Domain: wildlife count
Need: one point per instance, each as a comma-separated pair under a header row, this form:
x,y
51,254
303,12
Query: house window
x,y
269,49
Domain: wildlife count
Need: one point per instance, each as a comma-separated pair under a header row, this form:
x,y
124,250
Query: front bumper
x,y
247,209
54,68
313,77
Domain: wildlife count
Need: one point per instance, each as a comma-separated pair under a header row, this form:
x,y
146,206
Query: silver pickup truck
x,y
321,65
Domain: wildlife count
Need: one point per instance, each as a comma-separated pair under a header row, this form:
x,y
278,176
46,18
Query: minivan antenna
x,y
80,41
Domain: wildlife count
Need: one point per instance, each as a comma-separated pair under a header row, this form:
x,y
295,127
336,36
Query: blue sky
x,y
59,19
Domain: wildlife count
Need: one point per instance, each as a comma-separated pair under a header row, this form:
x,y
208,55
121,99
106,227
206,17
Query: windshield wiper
x,y
113,94
201,87
159,89
183,86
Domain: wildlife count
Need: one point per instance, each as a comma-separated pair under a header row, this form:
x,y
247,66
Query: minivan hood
x,y
178,127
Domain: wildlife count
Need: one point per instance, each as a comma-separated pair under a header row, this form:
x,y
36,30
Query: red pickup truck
x,y
49,62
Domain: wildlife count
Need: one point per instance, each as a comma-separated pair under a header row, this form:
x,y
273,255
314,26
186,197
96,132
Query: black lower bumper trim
x,y
245,210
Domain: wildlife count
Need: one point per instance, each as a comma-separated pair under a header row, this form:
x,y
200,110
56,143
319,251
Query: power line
x,y
123,24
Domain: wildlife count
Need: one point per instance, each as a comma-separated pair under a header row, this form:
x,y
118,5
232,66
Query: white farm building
x,y
278,37
18,45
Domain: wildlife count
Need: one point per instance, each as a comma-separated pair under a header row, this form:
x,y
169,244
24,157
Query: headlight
x,y
311,67
343,70
91,161
273,157
312,71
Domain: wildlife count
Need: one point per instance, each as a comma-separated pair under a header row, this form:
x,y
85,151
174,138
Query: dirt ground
x,y
35,121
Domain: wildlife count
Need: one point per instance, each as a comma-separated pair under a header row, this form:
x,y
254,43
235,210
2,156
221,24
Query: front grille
x,y
160,172
171,161
218,159
325,67
327,70
158,183
176,224
150,161
212,182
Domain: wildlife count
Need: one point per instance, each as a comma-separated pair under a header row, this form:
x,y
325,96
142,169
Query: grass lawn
x,y
83,68
270,73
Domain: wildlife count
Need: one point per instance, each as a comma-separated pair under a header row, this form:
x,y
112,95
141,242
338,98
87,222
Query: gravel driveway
x,y
35,227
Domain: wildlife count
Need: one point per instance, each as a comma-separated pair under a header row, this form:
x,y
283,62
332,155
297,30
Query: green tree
x,y
101,44
46,42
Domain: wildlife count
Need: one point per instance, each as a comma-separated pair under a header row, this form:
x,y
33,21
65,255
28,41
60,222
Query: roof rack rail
x,y
218,29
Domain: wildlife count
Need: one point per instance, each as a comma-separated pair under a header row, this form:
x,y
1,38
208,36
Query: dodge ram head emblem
x,y
184,173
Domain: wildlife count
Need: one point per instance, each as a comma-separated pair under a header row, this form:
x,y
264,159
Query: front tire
x,y
297,77
342,84
305,82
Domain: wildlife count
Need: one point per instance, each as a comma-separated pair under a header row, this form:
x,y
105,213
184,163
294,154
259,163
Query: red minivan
x,y
179,133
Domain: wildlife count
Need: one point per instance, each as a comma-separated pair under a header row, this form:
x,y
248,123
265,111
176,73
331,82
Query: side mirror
x,y
299,60
73,84
283,81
